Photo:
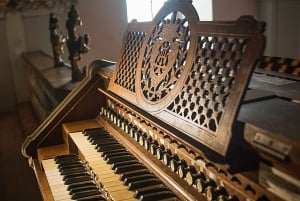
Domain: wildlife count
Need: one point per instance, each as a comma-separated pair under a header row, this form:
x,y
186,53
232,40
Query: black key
x,y
92,138
110,147
91,186
106,152
150,189
85,194
105,141
135,185
137,178
78,185
116,159
101,146
69,165
76,180
101,141
73,170
68,161
157,196
88,188
100,137
94,131
127,168
76,174
103,154
134,173
113,154
108,143
119,164
120,153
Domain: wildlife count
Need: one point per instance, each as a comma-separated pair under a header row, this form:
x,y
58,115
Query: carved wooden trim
x,y
188,73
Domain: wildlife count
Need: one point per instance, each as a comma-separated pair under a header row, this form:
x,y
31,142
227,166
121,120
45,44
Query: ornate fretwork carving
x,y
126,75
190,74
76,44
209,83
57,41
165,56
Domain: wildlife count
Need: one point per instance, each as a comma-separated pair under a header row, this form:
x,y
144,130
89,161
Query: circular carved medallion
x,y
164,57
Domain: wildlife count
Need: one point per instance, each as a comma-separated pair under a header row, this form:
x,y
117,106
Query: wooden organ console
x,y
161,123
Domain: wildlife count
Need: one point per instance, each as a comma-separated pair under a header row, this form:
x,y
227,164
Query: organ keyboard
x,y
110,168
70,179
161,125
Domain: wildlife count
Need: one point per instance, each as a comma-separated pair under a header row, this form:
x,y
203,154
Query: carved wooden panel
x,y
190,74
164,57
208,85
128,63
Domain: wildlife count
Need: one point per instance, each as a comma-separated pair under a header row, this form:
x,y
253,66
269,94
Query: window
x,y
145,10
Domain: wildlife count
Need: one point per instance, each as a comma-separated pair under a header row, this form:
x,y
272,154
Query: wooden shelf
x,y
48,85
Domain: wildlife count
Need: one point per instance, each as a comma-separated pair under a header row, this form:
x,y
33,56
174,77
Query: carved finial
x,y
76,44
57,41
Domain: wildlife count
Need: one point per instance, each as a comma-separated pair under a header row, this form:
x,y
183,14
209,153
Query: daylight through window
x,y
145,10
